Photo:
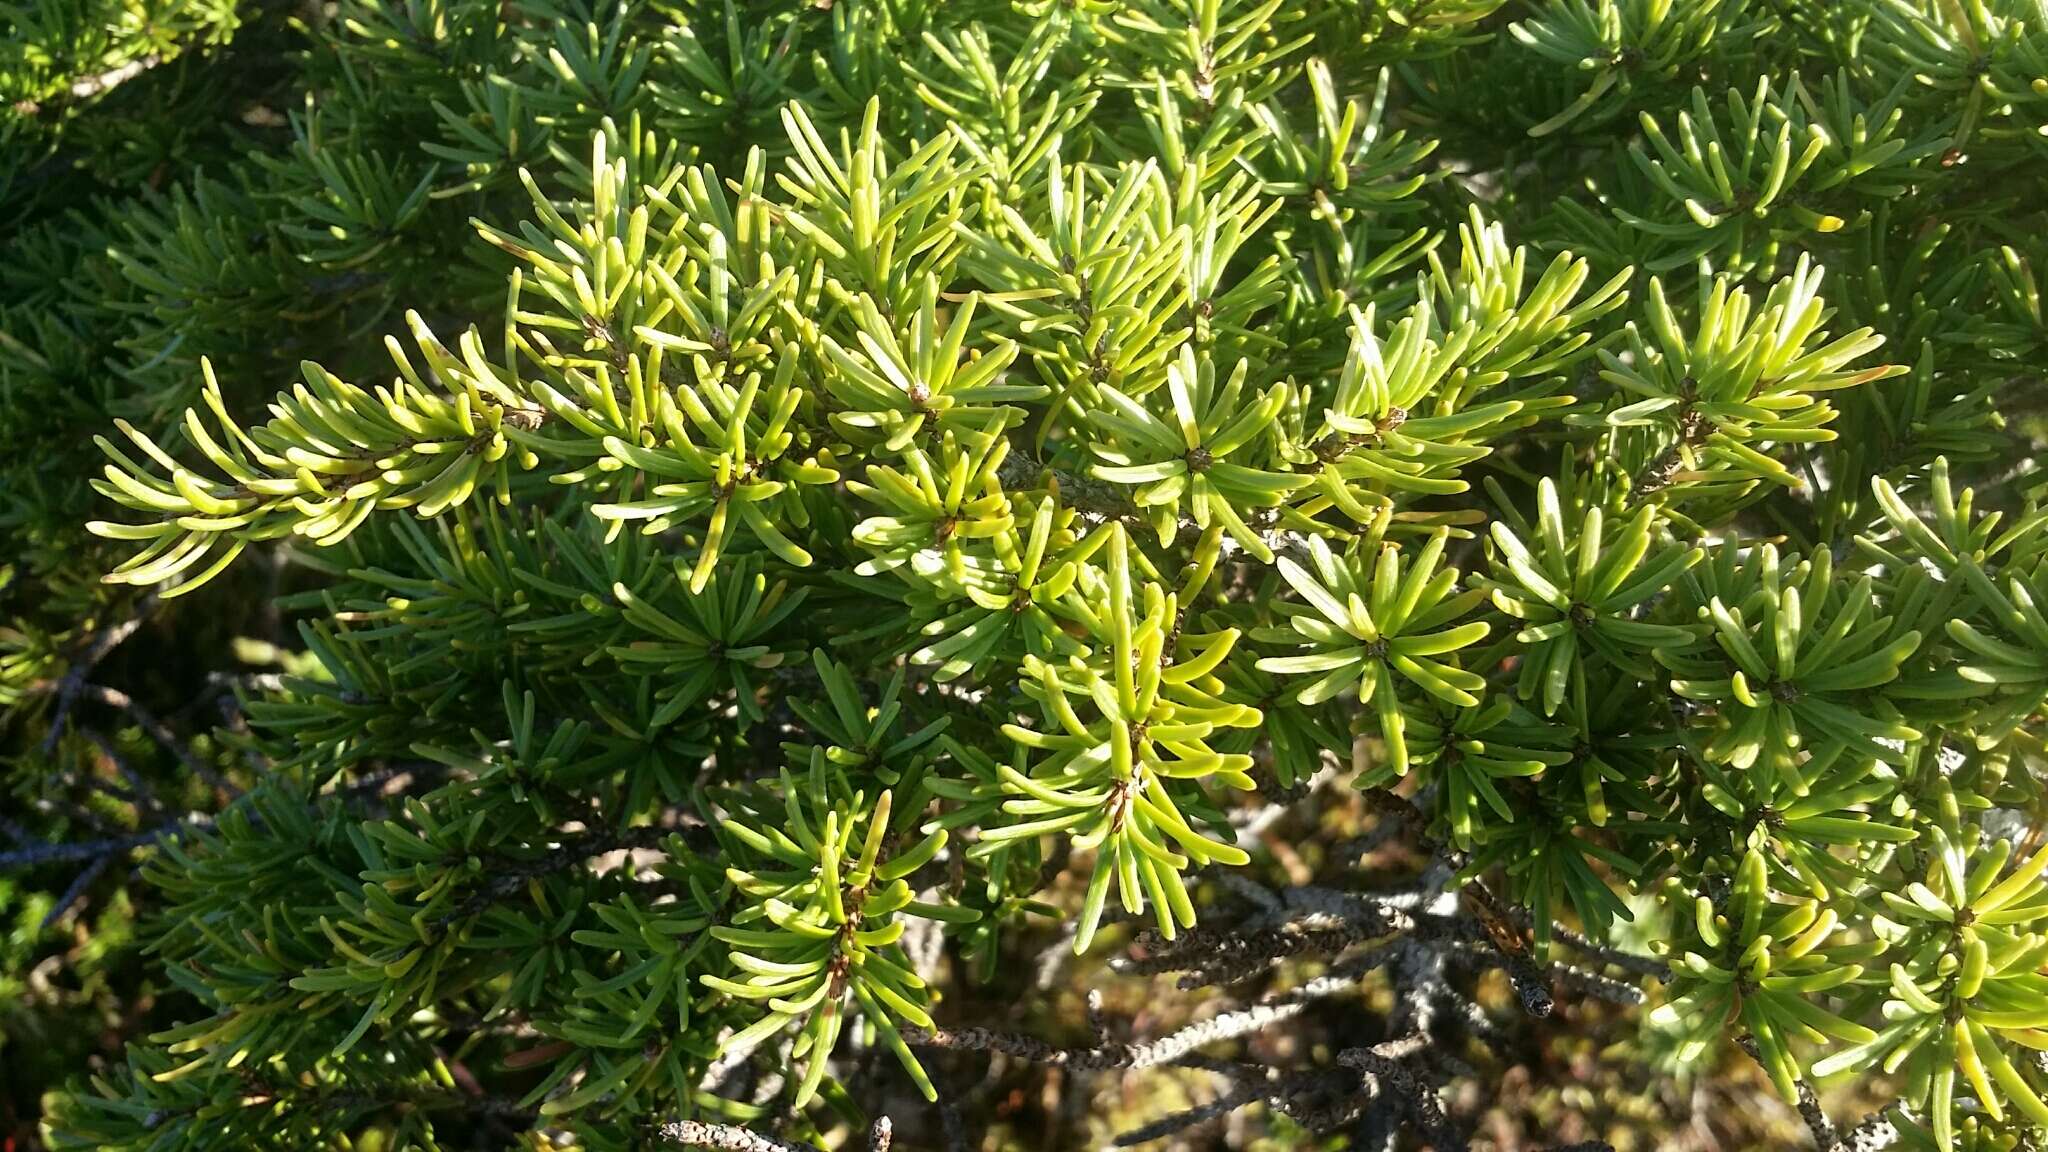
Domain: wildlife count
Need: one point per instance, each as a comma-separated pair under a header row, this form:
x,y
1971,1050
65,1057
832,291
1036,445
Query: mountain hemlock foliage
x,y
625,574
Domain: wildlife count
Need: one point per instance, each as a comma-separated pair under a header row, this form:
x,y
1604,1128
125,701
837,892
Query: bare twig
x,y
161,733
733,1138
91,650
1174,1122
74,892
1633,962
1109,1055
1388,1064
510,875
87,87
728,1137
1825,1137
1876,1134
36,855
138,791
1302,920
1593,984
953,1127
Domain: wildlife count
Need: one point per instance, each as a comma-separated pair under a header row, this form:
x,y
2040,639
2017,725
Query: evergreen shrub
x,y
615,574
